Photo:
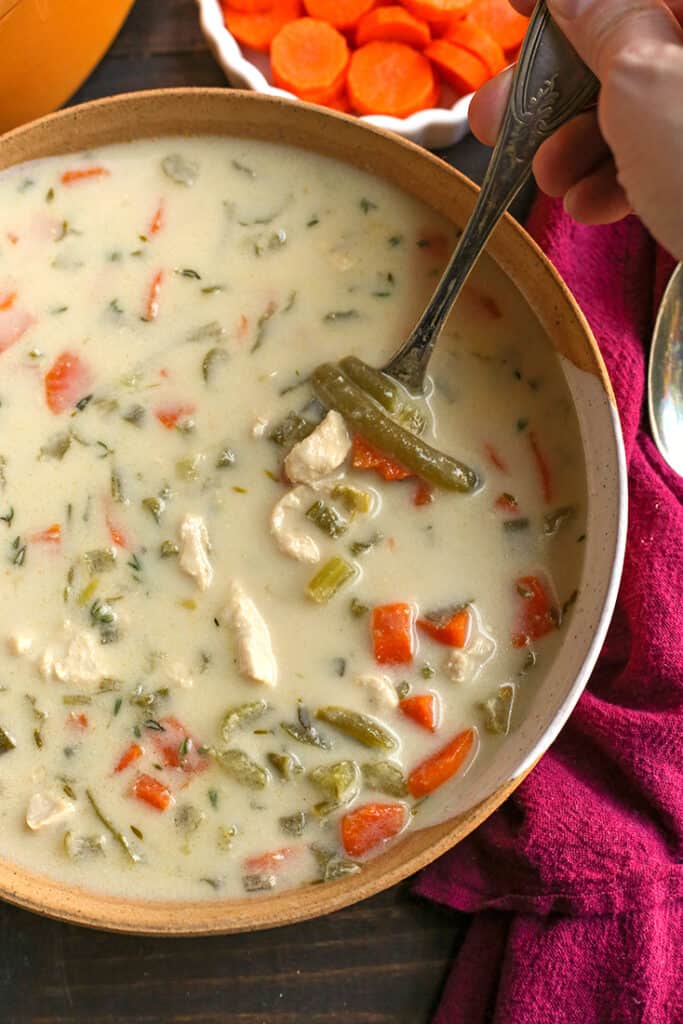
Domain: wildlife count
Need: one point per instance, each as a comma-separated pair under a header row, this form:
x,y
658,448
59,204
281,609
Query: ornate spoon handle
x,y
551,85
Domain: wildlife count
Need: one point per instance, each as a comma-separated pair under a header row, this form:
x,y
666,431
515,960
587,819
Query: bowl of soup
x,y
256,666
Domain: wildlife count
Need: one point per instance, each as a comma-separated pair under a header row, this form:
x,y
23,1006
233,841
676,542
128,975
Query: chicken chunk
x,y
321,453
18,643
291,541
464,666
80,663
194,550
255,658
380,690
47,809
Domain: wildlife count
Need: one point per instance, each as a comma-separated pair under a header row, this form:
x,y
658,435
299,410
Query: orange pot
x,y
47,48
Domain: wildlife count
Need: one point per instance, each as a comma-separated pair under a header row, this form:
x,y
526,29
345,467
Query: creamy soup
x,y
242,646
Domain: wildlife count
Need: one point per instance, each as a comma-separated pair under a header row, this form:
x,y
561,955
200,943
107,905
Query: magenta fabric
x,y
576,882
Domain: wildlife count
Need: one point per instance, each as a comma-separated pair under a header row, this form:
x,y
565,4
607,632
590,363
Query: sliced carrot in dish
x,y
52,535
537,616
423,709
157,221
500,20
424,494
392,79
370,826
472,37
448,629
441,766
310,57
438,12
7,301
340,103
170,415
176,747
67,380
152,792
14,321
365,456
153,293
495,458
259,29
343,14
117,535
272,860
83,174
392,24
542,466
130,755
461,69
392,634
250,6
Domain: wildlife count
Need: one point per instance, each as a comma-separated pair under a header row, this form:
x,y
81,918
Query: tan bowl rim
x,y
60,900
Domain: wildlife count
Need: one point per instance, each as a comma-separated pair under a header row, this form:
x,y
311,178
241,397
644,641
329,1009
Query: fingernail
x,y
569,9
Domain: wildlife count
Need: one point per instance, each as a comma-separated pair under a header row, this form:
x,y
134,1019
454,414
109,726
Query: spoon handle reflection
x,y
551,84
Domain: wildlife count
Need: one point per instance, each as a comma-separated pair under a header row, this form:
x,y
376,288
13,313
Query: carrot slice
x,y
340,103
250,6
128,756
272,860
77,720
258,30
423,708
450,630
424,494
495,459
83,174
7,301
152,792
462,70
343,14
537,616
365,456
391,78
501,21
441,766
370,826
465,32
157,221
393,634
52,535
392,24
438,12
152,300
14,321
542,466
67,380
176,747
170,415
117,535
310,58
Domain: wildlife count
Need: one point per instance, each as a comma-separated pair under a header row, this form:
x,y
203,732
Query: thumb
x,y
602,30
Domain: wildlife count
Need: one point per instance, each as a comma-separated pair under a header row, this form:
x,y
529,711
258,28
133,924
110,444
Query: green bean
x,y
498,710
327,519
241,715
82,846
242,769
385,777
365,416
120,838
293,824
375,383
359,727
338,782
294,427
100,560
554,521
328,580
352,498
286,765
7,742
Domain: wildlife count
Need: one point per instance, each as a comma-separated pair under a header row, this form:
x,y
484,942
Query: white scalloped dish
x,y
247,69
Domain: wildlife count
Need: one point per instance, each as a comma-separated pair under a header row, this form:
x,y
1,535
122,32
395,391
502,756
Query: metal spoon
x,y
665,374
551,85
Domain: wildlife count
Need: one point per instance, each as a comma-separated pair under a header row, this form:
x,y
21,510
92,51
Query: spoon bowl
x,y
665,376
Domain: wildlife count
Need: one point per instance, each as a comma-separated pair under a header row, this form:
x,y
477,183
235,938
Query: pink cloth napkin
x,y
576,882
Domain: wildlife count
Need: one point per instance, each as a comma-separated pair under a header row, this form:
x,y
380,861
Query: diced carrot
x,y
129,756
152,297
52,535
393,636
424,494
460,68
343,14
371,825
14,321
67,380
391,78
423,708
77,720
441,766
537,616
250,6
495,459
157,221
272,860
258,30
465,32
12,238
542,466
176,747
340,103
438,12
392,24
500,20
365,456
83,174
243,326
507,502
449,629
117,535
152,792
309,58
171,415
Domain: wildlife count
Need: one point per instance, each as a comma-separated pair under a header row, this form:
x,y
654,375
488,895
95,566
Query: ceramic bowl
x,y
435,128
244,114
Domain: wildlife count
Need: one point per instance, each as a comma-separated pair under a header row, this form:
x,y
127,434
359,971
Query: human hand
x,y
628,153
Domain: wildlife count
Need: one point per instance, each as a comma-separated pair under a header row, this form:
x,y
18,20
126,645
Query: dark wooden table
x,y
381,961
